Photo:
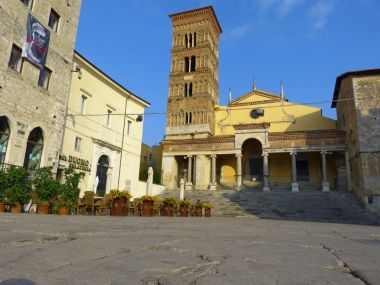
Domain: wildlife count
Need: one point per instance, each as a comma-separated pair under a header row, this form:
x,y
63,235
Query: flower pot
x,y
63,210
168,210
147,209
208,212
183,211
16,208
2,207
43,209
119,207
198,211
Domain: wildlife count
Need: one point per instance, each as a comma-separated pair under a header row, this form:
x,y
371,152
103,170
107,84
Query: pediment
x,y
256,97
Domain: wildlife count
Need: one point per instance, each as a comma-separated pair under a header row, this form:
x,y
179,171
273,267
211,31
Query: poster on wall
x,y
36,43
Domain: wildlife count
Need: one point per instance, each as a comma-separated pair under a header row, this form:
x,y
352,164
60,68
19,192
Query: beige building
x,y
259,140
103,131
33,93
356,99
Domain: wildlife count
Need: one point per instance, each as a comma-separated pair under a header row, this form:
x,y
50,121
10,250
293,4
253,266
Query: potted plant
x,y
120,201
198,208
18,188
184,207
147,209
208,207
169,206
2,191
46,189
68,192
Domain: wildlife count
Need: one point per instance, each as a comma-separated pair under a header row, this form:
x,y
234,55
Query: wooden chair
x,y
89,202
104,208
81,206
135,207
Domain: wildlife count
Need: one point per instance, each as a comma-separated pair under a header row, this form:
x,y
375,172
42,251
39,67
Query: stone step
x,y
305,205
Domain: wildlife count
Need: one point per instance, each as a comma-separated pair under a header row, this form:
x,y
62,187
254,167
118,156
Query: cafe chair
x,y
104,206
89,202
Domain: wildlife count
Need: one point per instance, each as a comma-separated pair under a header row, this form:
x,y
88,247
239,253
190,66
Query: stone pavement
x,y
53,249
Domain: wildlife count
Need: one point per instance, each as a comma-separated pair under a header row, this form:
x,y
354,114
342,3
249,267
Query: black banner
x,y
36,43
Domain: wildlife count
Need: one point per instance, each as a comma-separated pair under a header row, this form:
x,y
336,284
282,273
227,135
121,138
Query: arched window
x,y
193,59
34,149
4,138
187,64
185,90
191,90
186,41
195,39
191,40
101,174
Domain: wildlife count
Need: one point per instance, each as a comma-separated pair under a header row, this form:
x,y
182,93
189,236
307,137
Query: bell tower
x,y
193,84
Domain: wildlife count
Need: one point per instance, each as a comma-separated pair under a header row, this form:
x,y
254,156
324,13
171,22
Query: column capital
x,y
265,154
238,155
188,156
213,155
293,152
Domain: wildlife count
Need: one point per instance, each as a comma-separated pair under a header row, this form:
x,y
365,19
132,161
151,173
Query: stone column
x,y
325,182
348,171
189,183
213,172
294,172
238,171
266,172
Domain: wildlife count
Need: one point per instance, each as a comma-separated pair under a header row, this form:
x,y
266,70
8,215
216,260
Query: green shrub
x,y
45,185
18,186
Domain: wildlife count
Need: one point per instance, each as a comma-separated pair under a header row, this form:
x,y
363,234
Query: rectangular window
x,y
15,61
44,78
54,20
108,122
129,124
28,3
78,142
302,170
83,104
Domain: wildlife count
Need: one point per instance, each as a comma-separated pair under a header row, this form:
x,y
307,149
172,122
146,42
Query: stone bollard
x,y
182,189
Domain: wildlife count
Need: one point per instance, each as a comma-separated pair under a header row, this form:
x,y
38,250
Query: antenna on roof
x,y
229,95
254,84
282,91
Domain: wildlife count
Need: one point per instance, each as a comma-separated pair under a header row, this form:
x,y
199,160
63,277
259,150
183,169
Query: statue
x,y
149,182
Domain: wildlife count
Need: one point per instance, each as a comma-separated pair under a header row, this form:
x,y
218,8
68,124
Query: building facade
x,y
37,44
356,99
258,140
151,156
103,131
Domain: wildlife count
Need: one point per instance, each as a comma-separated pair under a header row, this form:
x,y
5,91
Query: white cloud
x,y
287,5
240,31
320,13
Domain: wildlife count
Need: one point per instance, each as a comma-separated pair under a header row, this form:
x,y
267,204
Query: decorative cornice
x,y
318,134
191,13
215,139
254,103
106,144
252,126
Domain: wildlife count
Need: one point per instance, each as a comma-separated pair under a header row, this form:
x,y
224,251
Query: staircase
x,y
340,207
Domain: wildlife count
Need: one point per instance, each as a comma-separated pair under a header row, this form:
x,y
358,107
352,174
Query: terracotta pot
x,y
183,211
63,210
147,209
119,207
2,207
168,210
198,211
16,208
207,212
42,209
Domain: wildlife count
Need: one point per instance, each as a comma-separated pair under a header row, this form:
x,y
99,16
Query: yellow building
x,y
258,140
98,138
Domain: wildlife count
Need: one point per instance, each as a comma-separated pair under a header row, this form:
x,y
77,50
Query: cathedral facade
x,y
260,140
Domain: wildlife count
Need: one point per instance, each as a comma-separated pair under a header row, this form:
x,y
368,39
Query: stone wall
x,y
25,104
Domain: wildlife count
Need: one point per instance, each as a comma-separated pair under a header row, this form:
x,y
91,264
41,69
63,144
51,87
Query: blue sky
x,y
304,43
